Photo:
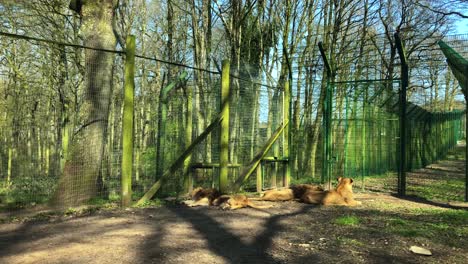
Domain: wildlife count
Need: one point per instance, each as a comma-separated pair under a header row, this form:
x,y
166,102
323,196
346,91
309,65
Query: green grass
x,y
447,226
350,241
443,190
349,220
26,191
152,203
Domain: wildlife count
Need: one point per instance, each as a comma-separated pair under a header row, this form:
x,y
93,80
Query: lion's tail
x,y
252,205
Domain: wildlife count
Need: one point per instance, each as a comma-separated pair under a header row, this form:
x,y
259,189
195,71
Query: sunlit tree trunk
x,y
79,181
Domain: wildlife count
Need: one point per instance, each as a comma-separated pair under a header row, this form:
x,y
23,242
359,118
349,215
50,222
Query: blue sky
x,y
462,26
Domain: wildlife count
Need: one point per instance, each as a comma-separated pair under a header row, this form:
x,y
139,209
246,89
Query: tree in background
x,y
80,179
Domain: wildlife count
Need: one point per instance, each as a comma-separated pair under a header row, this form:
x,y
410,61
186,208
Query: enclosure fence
x,y
65,122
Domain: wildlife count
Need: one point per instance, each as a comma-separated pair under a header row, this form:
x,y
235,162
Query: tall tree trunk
x,y
80,178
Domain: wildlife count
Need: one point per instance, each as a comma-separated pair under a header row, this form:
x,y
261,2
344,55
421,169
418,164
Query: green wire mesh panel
x,y
365,134
174,105
364,130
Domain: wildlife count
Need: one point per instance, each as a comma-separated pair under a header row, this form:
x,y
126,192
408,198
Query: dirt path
x,y
289,232
380,231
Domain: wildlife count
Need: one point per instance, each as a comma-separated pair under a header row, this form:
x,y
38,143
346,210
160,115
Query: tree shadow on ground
x,y
221,241
32,232
176,234
421,200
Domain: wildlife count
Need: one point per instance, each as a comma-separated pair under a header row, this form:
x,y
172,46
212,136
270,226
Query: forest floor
x,y
382,230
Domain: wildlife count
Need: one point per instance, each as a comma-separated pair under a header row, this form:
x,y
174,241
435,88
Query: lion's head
x,y
345,184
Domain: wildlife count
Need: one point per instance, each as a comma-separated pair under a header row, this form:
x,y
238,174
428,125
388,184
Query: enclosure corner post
x,y
127,123
287,136
402,115
326,121
224,137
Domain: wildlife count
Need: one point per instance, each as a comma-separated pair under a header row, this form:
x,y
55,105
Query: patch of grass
x,y
398,222
459,217
445,226
104,203
152,203
408,232
70,211
350,241
402,227
26,191
443,190
347,220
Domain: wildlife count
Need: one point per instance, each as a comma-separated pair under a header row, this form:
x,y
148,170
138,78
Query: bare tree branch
x,y
447,13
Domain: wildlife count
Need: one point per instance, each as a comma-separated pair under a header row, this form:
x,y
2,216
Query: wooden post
x,y
286,135
10,160
127,123
188,181
259,177
224,143
402,116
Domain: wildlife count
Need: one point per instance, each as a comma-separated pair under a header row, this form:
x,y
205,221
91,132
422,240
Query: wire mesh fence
x,y
61,125
49,102
365,130
48,126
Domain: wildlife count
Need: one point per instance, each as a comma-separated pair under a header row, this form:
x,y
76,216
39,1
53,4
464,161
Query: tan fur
x,y
291,193
342,195
277,195
236,202
212,197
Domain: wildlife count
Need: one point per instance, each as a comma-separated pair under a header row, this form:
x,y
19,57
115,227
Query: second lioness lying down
x,y
288,194
342,195
212,197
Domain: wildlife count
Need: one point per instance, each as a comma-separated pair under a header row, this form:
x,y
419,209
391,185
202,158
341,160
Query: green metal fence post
x,y
402,116
127,122
327,114
286,134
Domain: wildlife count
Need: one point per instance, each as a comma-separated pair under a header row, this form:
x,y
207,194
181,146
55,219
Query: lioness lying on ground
x,y
236,201
212,197
291,193
342,195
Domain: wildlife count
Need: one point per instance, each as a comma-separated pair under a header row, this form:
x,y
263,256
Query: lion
x,y
342,195
237,201
291,193
212,197
202,197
